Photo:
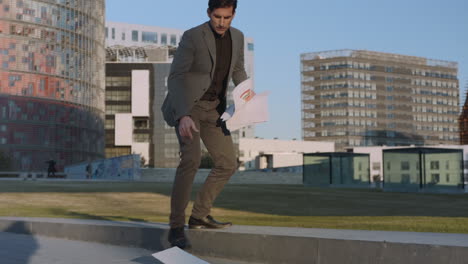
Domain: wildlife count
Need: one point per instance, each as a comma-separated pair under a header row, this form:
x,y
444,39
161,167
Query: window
x,y
164,39
140,124
434,165
134,35
435,178
388,165
110,124
389,69
389,88
250,46
113,33
141,138
405,178
149,37
107,32
123,35
405,165
173,40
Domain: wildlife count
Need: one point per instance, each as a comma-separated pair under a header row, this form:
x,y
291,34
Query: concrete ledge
x,y
262,244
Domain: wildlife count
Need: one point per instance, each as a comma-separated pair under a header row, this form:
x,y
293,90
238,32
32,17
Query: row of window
x,y
146,37
348,75
434,101
439,110
353,85
433,165
152,37
124,81
118,95
367,66
114,109
435,93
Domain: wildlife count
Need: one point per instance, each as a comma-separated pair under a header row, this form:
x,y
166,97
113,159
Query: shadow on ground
x,y
23,248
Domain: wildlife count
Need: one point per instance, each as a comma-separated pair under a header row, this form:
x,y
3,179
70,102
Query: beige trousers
x,y
221,149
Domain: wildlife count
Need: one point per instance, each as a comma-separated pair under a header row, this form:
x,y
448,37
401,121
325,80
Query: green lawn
x,y
270,205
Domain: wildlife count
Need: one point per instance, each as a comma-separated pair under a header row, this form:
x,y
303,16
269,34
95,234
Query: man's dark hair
x,y
213,4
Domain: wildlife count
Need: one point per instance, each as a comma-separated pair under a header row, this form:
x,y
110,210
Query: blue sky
x,y
282,30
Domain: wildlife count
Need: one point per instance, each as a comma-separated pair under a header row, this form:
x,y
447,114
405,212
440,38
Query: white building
x,y
129,35
272,153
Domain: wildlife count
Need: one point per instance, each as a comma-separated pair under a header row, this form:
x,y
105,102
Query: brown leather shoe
x,y
177,238
207,222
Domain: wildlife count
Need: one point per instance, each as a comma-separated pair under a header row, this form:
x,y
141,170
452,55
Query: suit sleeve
x,y
181,65
238,74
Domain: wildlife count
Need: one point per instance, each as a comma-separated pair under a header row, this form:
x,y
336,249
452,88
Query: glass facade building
x,y
337,169
423,169
51,81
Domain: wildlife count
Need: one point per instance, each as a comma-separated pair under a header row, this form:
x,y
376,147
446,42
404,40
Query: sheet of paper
x,y
255,111
176,255
247,110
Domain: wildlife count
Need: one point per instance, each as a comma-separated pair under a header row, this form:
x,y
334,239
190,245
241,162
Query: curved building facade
x,y
51,82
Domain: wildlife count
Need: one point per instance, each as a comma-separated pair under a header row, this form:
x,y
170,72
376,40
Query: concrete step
x,y
262,244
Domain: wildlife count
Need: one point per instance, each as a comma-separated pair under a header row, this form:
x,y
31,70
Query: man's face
x,y
221,18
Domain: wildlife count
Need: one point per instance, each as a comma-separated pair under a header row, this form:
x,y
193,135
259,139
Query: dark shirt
x,y
223,62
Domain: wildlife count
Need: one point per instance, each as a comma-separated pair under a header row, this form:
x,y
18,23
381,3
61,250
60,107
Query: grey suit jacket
x,y
193,68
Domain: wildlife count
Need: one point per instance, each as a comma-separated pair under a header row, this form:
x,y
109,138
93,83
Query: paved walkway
x,y
238,243
26,249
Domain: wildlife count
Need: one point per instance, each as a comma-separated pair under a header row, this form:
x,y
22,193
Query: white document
x,y
176,255
247,110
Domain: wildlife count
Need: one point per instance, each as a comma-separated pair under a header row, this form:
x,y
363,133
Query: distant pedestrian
x,y
89,171
51,168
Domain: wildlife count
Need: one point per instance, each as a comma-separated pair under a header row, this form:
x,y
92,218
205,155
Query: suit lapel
x,y
234,46
210,43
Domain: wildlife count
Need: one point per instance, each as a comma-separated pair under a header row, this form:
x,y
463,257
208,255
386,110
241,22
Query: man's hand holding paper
x,y
249,108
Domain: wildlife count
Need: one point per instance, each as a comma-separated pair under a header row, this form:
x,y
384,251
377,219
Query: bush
x,y
5,162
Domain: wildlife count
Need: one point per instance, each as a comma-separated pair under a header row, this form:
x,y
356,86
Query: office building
x,y
135,92
366,98
51,82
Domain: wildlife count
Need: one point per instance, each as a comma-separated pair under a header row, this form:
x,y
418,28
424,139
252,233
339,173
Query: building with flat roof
x,y
256,153
367,98
51,82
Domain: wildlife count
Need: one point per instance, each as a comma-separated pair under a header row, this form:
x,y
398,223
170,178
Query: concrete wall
x,y
119,168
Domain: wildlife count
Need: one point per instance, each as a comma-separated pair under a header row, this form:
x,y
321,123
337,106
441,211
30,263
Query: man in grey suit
x,y
208,57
